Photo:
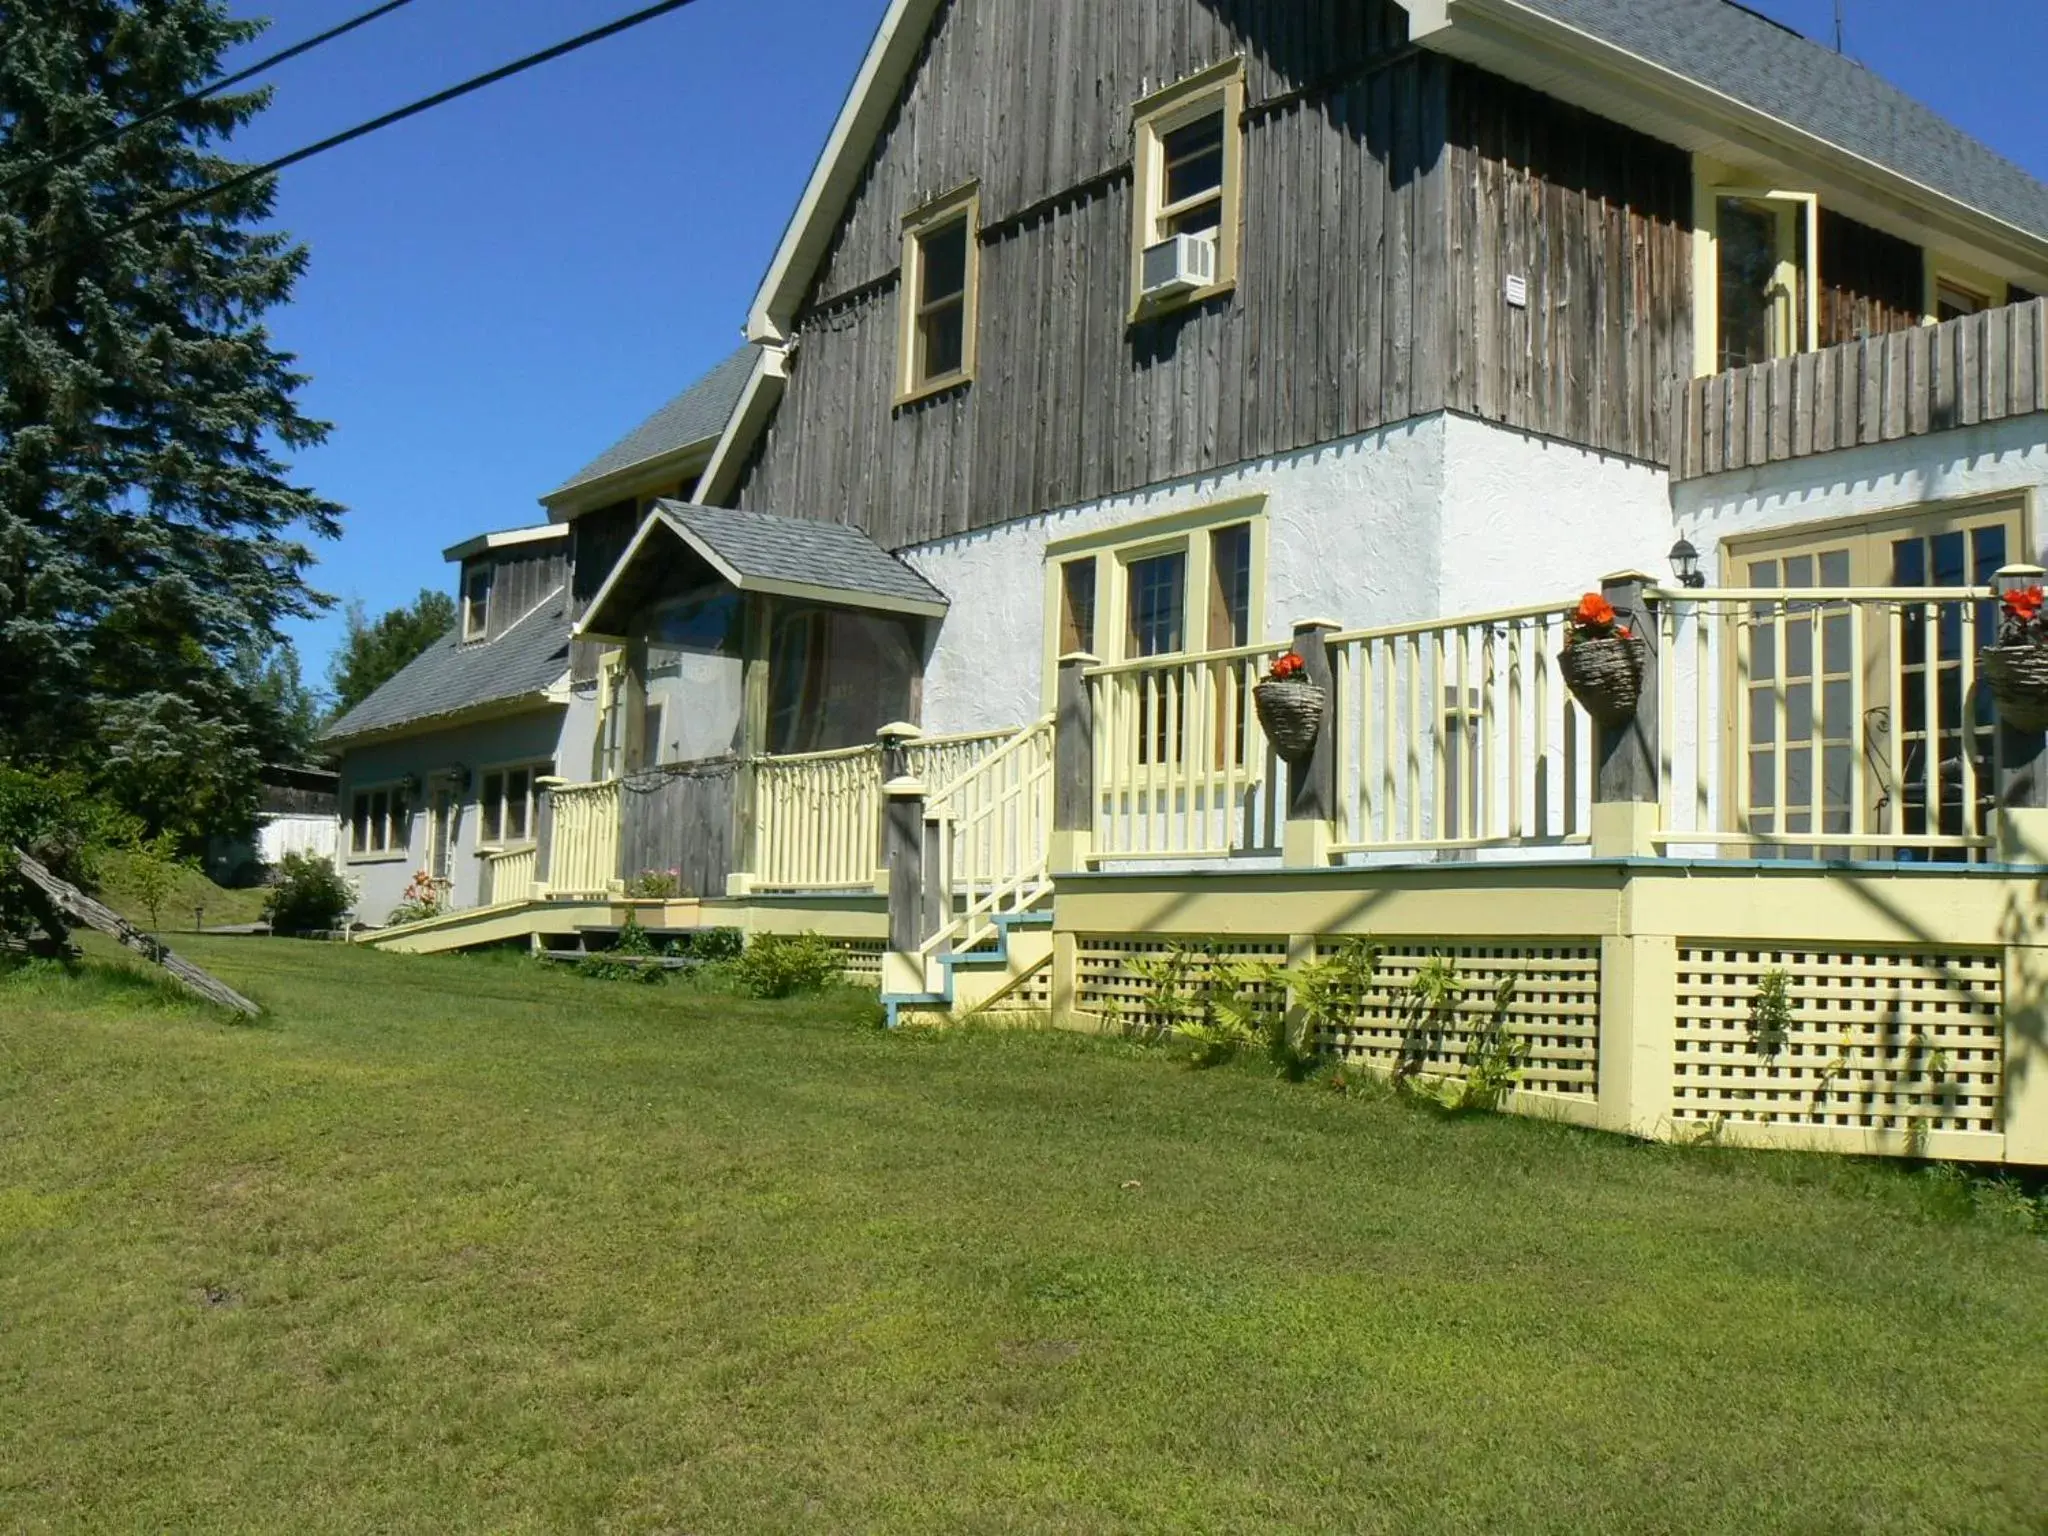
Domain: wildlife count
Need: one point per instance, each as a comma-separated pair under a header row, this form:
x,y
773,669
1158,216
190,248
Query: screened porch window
x,y
836,676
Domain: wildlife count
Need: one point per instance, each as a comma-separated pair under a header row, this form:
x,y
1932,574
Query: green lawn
x,y
461,1245
191,895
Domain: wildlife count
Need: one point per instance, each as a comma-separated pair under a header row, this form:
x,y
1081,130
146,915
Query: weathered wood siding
x,y
1870,282
680,818
1906,383
1597,221
1389,192
596,540
520,578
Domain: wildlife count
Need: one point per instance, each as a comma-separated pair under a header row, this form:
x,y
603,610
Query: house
x,y
1113,350
441,767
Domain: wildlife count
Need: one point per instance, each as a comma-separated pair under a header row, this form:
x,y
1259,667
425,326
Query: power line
x,y
65,157
425,104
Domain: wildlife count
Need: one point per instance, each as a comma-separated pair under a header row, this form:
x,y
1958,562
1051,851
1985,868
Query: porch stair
x,y
1012,975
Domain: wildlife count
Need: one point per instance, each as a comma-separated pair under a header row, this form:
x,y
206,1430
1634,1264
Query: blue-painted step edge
x,y
895,1002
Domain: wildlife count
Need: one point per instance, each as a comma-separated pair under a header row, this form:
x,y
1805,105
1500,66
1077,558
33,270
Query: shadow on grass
x,y
93,983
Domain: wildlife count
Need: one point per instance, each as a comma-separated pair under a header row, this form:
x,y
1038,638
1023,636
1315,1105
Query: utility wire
x,y
65,157
426,104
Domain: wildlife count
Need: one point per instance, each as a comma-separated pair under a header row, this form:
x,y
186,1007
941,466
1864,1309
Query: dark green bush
x,y
309,897
784,965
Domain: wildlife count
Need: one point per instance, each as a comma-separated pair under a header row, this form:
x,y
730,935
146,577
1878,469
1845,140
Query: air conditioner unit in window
x,y
1179,265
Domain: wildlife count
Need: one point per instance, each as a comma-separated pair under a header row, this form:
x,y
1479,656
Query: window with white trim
x,y
476,603
505,802
1188,160
380,821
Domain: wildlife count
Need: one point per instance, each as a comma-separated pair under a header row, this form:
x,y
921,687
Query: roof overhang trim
x,y
579,496
599,623
1509,39
554,695
509,538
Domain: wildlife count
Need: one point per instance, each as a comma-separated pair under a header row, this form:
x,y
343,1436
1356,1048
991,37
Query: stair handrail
x,y
1018,871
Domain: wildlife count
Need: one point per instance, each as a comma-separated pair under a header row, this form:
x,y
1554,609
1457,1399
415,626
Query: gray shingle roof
x,y
698,414
764,546
1796,80
450,677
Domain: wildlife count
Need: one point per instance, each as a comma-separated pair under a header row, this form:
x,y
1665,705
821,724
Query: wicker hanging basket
x,y
1606,676
2017,676
1291,713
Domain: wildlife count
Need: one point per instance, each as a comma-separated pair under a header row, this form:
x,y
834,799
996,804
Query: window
x,y
1952,300
1189,581
506,802
1189,159
1889,719
1077,606
380,822
476,602
941,273
836,676
1763,289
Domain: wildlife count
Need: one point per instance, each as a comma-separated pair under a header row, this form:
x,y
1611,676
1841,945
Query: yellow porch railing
x,y
818,815
1182,769
508,875
992,828
583,851
1458,734
1826,721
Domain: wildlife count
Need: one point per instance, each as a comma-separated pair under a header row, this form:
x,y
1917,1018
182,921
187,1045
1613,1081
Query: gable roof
x,y
450,678
1767,78
1775,70
695,417
765,552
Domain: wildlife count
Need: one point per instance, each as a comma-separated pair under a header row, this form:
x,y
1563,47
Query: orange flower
x,y
1594,611
2023,604
1287,664
1621,632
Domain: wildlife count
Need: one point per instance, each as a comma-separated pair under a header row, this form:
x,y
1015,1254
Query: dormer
x,y
505,576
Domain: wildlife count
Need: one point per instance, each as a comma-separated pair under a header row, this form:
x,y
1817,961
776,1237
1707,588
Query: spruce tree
x,y
149,532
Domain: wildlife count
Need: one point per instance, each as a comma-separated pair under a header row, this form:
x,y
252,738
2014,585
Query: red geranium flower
x,y
1287,664
2023,605
1594,612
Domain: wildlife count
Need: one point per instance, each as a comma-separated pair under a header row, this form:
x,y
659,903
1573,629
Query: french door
x,y
1855,717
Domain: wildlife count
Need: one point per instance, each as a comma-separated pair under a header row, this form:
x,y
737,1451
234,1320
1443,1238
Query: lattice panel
x,y
1892,1040
1105,983
863,960
1033,994
1555,1009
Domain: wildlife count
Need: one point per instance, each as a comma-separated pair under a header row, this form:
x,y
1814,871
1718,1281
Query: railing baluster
x,y
1930,740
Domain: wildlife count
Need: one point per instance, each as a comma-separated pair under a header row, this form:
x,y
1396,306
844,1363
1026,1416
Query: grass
x,y
459,1244
193,891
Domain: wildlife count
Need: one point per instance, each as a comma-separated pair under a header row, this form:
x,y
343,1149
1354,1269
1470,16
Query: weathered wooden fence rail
x,y
1981,368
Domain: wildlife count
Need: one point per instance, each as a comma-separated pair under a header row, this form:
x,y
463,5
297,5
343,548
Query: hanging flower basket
x,y
2016,668
1603,663
1290,709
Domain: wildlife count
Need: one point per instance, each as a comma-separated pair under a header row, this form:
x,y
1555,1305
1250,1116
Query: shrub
x,y
655,885
711,944
309,897
784,965
154,871
633,944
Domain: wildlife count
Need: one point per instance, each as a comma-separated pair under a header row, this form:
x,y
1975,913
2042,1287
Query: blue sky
x,y
501,288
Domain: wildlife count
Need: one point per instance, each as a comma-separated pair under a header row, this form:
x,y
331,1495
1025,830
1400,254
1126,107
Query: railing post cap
x,y
549,781
900,730
1628,579
2018,572
908,787
1080,659
1305,626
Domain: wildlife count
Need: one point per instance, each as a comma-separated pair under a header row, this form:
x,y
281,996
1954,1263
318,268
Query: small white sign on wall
x,y
1518,291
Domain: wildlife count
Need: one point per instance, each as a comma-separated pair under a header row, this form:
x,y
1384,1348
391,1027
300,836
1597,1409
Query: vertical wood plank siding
x,y
1389,193
596,541
520,578
1978,369
680,818
1870,282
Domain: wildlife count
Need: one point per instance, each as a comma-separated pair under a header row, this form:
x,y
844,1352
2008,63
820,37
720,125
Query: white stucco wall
x,y
1432,517
2003,457
381,878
